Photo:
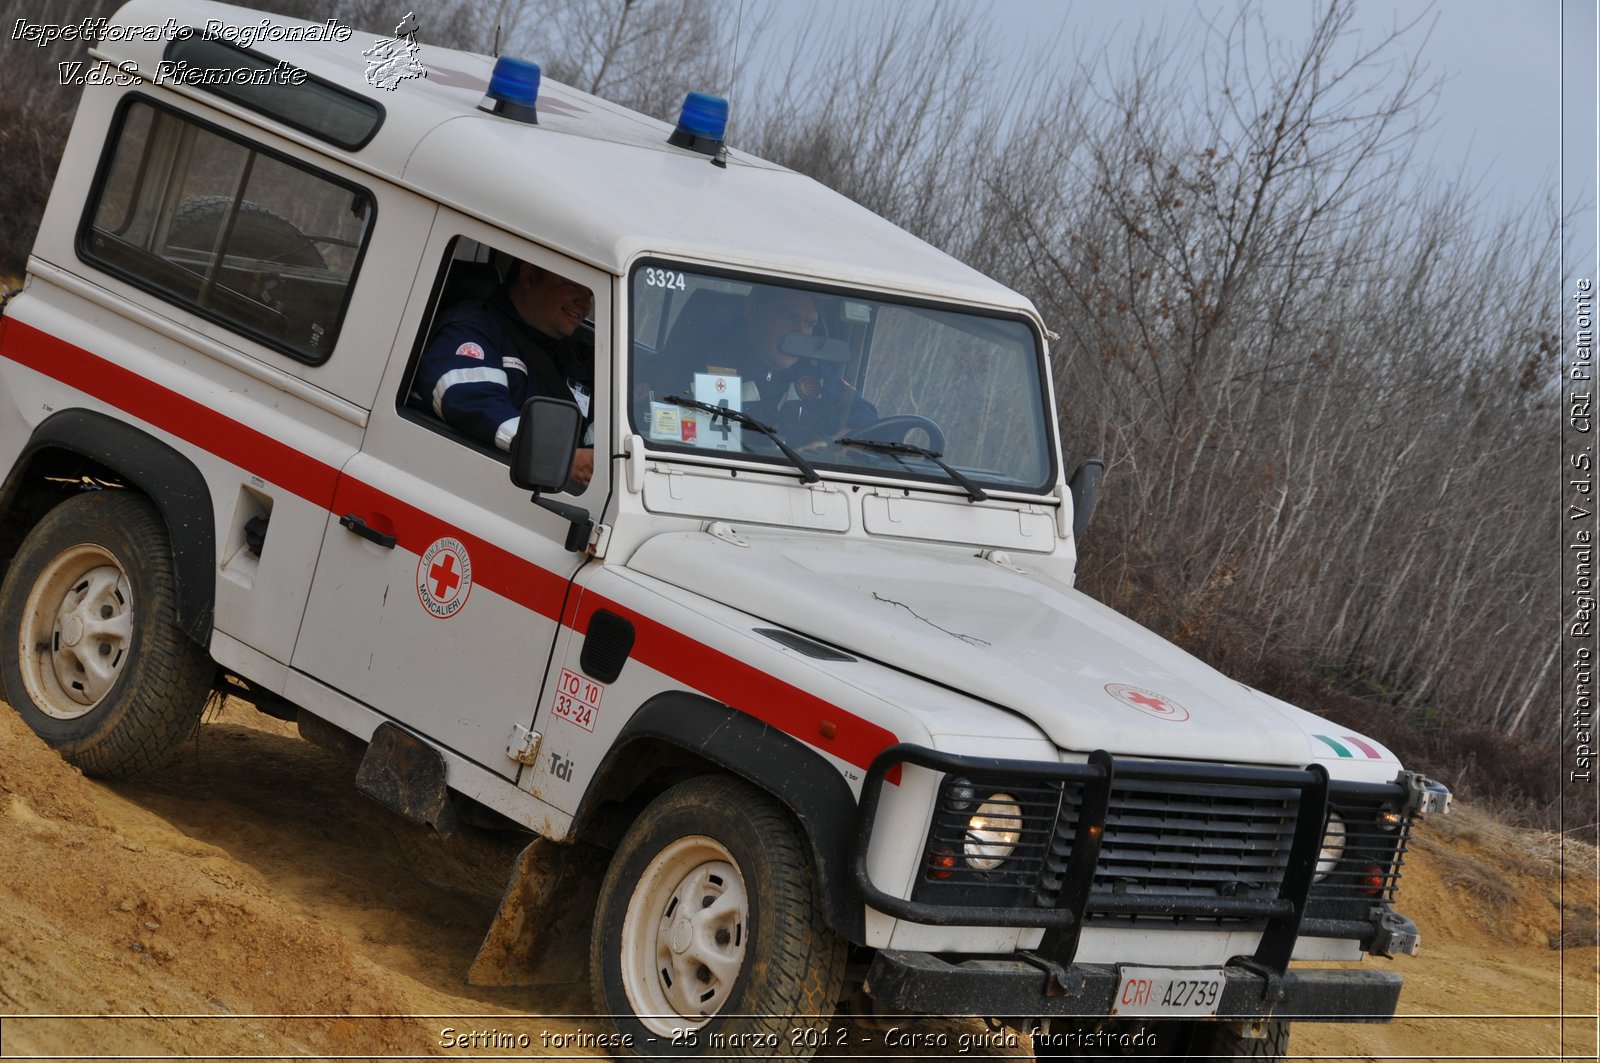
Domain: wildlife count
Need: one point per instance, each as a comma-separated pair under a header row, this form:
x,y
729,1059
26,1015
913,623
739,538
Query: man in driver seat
x,y
805,398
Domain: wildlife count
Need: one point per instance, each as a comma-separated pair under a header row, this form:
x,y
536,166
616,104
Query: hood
x,y
1086,676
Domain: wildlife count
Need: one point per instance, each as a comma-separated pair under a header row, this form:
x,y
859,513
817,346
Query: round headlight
x,y
993,832
1332,847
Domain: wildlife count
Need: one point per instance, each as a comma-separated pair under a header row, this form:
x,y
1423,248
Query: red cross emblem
x,y
444,578
1148,702
722,385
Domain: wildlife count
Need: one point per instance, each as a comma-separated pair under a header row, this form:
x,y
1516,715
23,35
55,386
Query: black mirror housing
x,y
1085,489
545,443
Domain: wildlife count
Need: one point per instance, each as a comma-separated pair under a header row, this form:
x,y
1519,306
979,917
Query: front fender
x,y
170,480
810,787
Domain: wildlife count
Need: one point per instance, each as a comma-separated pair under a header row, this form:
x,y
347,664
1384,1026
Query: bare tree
x,y
1315,370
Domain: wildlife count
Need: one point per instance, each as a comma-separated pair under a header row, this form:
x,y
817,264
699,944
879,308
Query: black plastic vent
x,y
801,644
606,647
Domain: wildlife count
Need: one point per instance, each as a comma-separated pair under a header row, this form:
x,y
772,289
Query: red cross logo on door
x,y
444,578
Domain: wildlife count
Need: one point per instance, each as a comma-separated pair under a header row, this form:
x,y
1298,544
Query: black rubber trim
x,y
1035,987
798,776
169,479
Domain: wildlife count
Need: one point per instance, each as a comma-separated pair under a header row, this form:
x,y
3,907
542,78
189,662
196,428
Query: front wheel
x,y
1222,1040
708,936
93,658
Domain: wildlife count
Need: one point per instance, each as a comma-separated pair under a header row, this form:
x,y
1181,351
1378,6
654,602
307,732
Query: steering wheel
x,y
895,429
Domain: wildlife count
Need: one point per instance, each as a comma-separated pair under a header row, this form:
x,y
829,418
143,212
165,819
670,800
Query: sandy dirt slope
x,y
248,902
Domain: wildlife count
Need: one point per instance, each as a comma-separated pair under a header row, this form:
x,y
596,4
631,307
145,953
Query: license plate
x,y
1147,991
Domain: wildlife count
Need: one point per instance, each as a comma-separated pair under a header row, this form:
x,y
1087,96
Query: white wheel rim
x,y
684,936
77,628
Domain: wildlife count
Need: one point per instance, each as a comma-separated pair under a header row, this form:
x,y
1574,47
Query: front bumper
x,y
1025,986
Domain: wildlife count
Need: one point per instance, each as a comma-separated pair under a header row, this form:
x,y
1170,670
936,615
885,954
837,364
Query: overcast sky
x,y
1502,116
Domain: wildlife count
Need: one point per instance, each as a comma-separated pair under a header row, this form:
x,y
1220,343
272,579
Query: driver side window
x,y
500,330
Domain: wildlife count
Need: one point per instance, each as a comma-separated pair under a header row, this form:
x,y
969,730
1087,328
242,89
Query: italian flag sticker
x,y
1342,748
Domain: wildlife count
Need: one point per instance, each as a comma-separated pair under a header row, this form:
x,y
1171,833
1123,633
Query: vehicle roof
x,y
615,189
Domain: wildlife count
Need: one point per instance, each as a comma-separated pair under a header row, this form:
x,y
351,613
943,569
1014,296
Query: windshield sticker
x,y
444,578
720,389
1151,704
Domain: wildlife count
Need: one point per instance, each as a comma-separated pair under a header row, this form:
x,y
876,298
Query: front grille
x,y
1184,846
1176,840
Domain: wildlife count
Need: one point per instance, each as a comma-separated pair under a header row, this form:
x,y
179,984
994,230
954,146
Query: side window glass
x,y
498,332
218,225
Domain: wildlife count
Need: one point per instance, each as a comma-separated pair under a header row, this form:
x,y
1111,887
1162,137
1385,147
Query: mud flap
x,y
540,935
402,772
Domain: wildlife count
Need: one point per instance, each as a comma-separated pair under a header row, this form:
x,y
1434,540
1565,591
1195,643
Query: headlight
x,y
1332,847
993,832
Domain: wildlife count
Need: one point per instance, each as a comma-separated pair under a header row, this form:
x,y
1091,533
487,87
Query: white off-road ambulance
x,y
796,694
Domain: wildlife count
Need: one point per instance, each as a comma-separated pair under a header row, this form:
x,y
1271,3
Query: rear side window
x,y
253,240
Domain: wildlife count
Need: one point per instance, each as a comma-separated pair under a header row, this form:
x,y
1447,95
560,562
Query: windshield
x,y
825,370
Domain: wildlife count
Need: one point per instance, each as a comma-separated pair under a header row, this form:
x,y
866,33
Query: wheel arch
x,y
76,443
677,735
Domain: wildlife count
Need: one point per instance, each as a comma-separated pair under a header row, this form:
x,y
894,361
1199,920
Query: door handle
x,y
367,532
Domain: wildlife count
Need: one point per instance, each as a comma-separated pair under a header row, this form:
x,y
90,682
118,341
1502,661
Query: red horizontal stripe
x,y
733,682
169,411
674,654
493,567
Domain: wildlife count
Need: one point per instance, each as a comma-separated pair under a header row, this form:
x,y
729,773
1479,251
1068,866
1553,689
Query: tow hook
x,y
1396,935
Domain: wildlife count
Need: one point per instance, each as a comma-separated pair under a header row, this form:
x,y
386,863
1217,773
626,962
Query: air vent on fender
x,y
606,647
801,644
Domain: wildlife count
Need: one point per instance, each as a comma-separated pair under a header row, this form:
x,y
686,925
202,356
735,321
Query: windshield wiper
x,y
974,492
808,475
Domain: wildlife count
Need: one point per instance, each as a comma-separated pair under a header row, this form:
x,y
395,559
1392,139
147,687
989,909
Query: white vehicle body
x,y
350,564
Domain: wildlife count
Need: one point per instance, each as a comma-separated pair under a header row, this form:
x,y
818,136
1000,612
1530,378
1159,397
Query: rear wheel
x,y
708,937
257,231
95,661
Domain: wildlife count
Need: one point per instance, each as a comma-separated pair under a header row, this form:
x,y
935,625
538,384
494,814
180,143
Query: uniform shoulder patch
x,y
470,350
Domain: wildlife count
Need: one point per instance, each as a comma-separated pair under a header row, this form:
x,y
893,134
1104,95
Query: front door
x,y
439,589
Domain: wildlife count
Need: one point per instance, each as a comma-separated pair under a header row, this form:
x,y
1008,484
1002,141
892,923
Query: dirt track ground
x,y
248,902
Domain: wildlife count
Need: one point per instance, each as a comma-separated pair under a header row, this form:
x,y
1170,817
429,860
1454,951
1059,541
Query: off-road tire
x,y
258,232
1219,1041
104,556
790,964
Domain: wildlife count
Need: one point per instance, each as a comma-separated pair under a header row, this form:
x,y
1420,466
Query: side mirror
x,y
541,460
545,444
1085,488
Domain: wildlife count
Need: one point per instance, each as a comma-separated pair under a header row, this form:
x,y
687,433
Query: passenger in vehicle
x,y
489,356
